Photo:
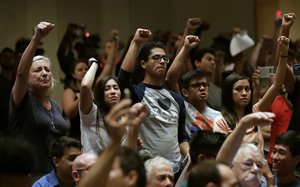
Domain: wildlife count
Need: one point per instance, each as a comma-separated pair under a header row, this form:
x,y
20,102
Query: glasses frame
x,y
198,85
159,58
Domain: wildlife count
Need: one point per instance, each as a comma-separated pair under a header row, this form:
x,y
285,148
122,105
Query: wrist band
x,y
284,56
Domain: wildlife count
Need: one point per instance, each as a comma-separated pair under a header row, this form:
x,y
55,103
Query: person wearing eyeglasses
x,y
81,166
246,159
163,131
193,86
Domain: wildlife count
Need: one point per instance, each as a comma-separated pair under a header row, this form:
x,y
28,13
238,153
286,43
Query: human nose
x,y
244,92
163,61
255,167
113,90
44,72
168,183
274,156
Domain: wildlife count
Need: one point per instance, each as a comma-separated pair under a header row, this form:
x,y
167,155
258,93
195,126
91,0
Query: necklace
x,y
51,118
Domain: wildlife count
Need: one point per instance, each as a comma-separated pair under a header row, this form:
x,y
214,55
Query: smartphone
x,y
296,69
265,71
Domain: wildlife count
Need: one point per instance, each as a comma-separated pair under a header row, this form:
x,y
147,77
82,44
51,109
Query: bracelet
x,y
284,56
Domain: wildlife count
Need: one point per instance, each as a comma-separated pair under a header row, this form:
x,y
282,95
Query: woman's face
x,y
40,75
112,93
80,70
241,93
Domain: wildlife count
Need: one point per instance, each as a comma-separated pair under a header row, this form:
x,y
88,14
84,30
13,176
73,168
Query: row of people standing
x,y
166,116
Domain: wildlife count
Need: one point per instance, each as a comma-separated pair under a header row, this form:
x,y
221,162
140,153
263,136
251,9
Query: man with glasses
x,y
247,160
205,60
163,131
194,87
81,166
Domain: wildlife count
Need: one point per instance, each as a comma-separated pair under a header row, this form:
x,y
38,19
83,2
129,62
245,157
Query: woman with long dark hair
x,y
94,134
237,95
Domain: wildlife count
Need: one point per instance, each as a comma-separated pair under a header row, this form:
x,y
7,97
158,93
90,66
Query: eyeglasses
x,y
158,58
198,85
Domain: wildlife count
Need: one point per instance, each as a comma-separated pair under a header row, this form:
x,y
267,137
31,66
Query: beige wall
x,y
266,10
18,17
292,6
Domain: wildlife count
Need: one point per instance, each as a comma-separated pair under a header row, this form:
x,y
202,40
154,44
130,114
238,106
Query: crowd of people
x,y
167,112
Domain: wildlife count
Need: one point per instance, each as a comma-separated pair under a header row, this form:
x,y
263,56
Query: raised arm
x,y
21,83
140,36
191,25
86,88
177,68
288,21
276,35
265,103
109,68
65,54
234,140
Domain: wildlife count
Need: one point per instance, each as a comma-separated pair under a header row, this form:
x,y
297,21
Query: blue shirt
x,y
48,180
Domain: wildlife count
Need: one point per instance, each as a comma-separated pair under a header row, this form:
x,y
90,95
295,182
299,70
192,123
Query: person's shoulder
x,y
215,112
42,182
175,95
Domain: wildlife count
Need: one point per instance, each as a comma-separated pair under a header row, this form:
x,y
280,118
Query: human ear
x,y
185,92
131,178
143,64
75,176
196,63
55,161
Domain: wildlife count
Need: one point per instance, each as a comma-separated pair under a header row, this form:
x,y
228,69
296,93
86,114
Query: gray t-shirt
x,y
163,129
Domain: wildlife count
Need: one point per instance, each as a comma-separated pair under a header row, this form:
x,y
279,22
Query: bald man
x,y
81,165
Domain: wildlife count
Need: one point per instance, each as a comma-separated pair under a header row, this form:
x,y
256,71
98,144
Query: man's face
x,y
207,63
156,65
161,176
197,90
249,169
63,165
282,160
81,166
